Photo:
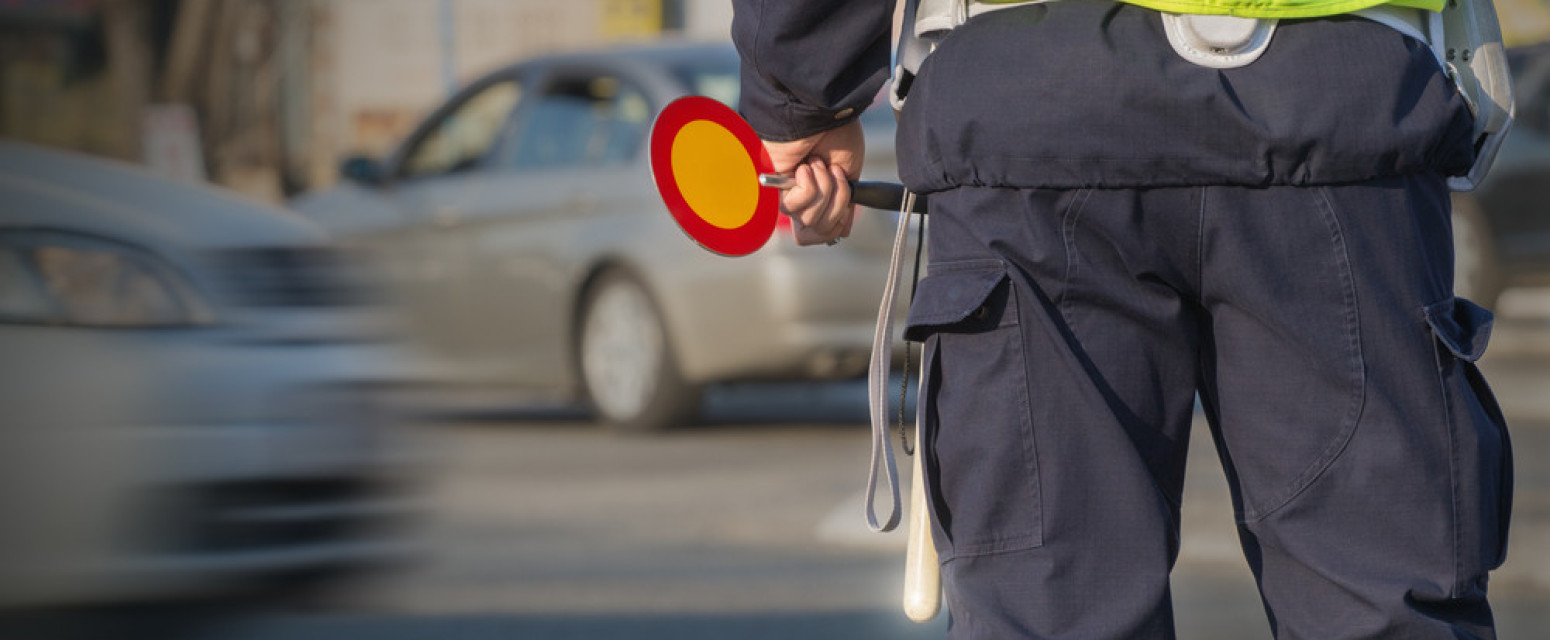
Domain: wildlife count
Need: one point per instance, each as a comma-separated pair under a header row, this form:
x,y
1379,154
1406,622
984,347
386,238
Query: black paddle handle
x,y
888,196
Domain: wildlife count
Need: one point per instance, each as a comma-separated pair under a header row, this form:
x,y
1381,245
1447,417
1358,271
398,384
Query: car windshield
x,y
711,76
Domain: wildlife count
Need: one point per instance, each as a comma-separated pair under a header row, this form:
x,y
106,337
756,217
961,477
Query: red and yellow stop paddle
x,y
718,182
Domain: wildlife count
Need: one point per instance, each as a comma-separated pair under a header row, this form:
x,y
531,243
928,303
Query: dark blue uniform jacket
x,y
1088,93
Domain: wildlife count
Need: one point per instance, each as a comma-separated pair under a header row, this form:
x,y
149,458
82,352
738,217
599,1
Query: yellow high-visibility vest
x,y
1269,8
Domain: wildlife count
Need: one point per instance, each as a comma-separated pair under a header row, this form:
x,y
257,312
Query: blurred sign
x,y
68,13
172,148
630,19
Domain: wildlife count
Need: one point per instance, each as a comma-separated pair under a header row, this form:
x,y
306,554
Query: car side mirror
x,y
362,169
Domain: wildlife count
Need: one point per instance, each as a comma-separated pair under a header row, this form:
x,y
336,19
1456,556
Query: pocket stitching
x,y
1327,457
1069,221
1446,351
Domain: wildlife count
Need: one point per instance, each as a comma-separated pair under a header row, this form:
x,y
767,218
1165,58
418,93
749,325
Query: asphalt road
x,y
540,526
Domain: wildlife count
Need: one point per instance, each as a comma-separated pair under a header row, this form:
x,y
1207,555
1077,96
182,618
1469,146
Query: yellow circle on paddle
x,y
715,174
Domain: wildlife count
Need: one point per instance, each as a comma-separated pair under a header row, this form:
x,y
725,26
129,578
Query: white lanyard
x,y
877,380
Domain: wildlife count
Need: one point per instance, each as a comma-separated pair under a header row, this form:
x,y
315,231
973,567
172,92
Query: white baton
x,y
922,574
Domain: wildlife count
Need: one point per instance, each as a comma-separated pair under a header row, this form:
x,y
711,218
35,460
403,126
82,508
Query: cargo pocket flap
x,y
954,293
1462,326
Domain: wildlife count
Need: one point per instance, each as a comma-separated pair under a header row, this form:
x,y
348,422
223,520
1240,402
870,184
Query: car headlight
x,y
79,280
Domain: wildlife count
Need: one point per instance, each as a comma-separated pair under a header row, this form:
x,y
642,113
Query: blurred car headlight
x,y
69,279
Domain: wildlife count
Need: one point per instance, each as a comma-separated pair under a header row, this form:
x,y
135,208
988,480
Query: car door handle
x,y
447,216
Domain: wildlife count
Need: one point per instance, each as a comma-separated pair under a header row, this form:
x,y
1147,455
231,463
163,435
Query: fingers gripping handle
x,y
888,196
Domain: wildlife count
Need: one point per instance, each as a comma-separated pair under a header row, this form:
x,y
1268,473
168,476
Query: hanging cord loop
x,y
877,379
904,380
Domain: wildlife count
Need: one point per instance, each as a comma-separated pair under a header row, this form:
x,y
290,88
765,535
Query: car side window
x,y
582,121
466,135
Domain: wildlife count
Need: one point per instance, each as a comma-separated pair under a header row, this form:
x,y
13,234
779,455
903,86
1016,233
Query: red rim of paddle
x,y
739,241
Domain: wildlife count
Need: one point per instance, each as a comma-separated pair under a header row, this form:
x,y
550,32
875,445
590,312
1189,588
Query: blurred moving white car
x,y
187,393
521,229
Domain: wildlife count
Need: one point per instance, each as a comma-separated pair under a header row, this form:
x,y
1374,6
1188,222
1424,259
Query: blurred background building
x,y
265,96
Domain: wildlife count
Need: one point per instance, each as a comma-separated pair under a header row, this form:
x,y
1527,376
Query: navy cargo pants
x,y
1066,335
1068,328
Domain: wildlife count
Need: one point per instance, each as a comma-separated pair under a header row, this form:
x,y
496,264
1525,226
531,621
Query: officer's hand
x,y
823,164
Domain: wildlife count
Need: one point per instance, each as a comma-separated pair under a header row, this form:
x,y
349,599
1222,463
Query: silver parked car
x,y
186,403
520,227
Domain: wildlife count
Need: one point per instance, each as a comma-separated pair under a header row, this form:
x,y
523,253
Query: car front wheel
x,y
630,377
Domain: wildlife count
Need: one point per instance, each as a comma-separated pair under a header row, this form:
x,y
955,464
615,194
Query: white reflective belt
x,y
877,381
936,17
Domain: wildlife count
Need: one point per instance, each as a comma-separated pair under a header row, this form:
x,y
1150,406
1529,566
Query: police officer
x,y
1116,227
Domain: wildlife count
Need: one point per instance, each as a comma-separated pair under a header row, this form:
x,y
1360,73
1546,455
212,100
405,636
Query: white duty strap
x,y
877,381
1467,40
1477,61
